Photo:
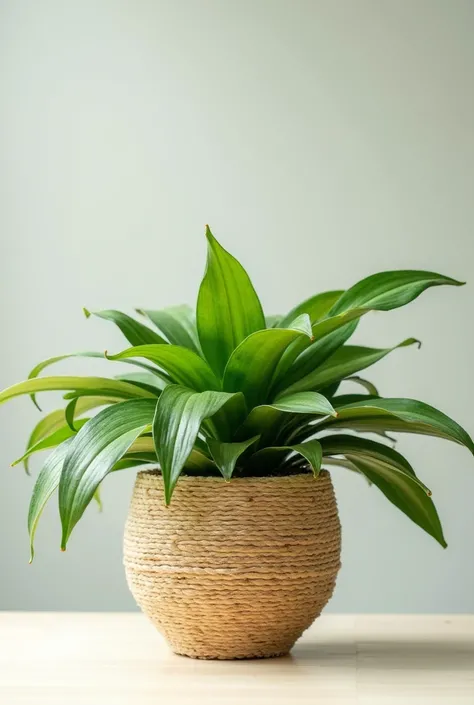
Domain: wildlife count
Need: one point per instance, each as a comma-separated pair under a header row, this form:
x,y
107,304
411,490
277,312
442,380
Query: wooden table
x,y
119,659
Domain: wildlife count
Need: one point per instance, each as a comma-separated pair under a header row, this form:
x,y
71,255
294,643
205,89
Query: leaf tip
x,y
140,311
86,312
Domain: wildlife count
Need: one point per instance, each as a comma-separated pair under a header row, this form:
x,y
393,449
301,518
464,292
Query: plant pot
x,y
233,569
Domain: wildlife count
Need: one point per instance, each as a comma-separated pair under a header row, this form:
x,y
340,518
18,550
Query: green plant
x,y
231,392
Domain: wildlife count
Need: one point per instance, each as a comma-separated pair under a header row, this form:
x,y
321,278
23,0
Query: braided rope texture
x,y
235,569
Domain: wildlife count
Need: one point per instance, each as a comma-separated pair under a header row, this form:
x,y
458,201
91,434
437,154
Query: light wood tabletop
x,y
119,659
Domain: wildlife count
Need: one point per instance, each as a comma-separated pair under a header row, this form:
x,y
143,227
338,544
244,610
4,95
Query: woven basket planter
x,y
233,569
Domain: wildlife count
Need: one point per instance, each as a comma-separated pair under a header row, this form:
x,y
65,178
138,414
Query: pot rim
x,y
156,473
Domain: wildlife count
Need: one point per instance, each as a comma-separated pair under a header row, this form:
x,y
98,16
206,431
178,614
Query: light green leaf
x,y
228,308
253,363
343,363
310,450
317,307
404,415
145,380
46,483
226,455
177,323
101,443
179,415
393,475
184,366
99,386
388,290
54,439
272,321
134,331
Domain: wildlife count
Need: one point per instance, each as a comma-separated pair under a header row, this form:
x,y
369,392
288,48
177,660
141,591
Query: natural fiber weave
x,y
233,569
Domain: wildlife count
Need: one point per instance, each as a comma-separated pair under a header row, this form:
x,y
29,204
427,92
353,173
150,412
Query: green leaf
x,y
58,358
393,475
310,450
145,380
101,443
292,368
371,388
343,363
228,308
272,321
134,331
179,415
404,415
177,323
388,290
226,454
99,386
46,483
253,363
54,439
266,420
184,366
317,307
57,419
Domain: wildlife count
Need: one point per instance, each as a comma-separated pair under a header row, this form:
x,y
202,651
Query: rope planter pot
x,y
233,569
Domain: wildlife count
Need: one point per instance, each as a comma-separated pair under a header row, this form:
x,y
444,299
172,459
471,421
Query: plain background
x,y
322,141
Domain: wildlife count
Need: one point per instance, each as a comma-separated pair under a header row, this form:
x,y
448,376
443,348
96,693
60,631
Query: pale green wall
x,y
322,141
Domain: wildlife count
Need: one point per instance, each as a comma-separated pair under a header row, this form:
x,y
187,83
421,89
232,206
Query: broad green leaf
x,y
310,450
46,483
101,443
291,368
228,308
388,290
266,420
134,331
226,455
145,448
177,323
54,439
253,363
99,386
404,415
184,366
343,363
317,307
179,415
393,475
371,388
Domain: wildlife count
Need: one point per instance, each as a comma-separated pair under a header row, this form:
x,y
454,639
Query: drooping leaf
x,y
57,419
98,386
399,415
145,380
228,308
310,450
58,358
177,323
226,455
344,362
184,366
266,420
46,483
393,475
179,415
134,331
253,363
317,307
101,443
388,290
54,439
371,388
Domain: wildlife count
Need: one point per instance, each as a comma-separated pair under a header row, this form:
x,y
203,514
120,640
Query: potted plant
x,y
232,544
